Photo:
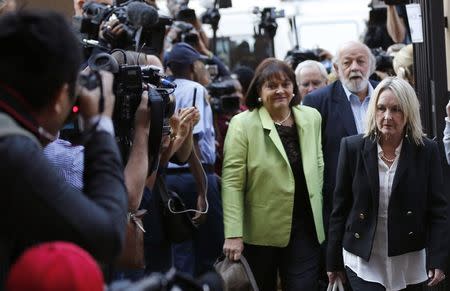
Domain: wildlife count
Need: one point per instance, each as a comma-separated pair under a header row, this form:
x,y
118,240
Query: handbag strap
x,y
339,284
249,272
136,218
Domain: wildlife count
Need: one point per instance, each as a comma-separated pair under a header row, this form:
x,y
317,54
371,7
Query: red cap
x,y
55,266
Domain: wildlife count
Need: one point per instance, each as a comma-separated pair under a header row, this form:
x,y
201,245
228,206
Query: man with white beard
x,y
343,105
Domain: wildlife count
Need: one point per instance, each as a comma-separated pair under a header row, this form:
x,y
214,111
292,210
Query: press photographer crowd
x,y
133,158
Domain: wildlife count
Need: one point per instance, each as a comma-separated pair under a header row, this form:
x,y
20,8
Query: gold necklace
x,y
284,120
383,157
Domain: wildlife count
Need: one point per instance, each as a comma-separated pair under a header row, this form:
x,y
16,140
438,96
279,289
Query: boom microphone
x,y
142,14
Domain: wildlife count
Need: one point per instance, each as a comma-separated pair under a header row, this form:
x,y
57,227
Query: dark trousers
x,y
157,248
198,255
359,284
297,263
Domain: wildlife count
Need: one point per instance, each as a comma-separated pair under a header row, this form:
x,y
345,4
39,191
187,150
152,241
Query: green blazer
x,y
257,181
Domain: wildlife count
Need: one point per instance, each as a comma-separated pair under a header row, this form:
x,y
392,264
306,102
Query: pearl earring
x,y
259,99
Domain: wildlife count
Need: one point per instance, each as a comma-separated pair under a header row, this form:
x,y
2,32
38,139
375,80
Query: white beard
x,y
357,85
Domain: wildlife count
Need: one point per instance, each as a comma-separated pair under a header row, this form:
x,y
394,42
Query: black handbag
x,y
177,226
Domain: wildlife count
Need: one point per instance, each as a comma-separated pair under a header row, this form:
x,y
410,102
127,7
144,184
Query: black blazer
x,y
417,206
337,122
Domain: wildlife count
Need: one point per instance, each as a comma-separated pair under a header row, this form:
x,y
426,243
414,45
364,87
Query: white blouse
x,y
394,273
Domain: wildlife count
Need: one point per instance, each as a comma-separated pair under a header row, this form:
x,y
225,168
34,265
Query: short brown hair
x,y
268,69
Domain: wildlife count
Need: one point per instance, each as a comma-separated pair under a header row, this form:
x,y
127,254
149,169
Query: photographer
x,y
227,100
38,204
182,31
104,25
197,256
179,10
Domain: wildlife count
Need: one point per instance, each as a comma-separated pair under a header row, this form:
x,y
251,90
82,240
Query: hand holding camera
x,y
143,114
111,32
92,98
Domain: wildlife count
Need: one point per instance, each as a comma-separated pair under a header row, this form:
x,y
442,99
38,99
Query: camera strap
x,y
156,127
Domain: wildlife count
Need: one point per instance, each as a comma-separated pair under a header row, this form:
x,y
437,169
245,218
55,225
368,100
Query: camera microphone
x,y
141,14
167,84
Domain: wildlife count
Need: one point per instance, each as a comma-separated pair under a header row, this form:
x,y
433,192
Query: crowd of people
x,y
314,176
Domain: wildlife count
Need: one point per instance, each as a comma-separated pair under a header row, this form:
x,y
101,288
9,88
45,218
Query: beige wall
x,y
447,40
64,6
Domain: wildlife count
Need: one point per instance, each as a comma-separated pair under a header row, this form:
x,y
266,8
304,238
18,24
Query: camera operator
x,y
132,25
182,31
196,256
179,10
227,100
35,101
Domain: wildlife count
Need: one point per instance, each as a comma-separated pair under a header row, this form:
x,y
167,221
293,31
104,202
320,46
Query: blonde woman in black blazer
x,y
388,224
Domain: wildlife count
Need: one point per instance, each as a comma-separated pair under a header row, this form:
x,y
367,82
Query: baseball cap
x,y
184,54
55,266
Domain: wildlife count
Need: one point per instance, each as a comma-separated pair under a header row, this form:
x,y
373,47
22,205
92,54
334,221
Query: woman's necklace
x,y
383,157
284,120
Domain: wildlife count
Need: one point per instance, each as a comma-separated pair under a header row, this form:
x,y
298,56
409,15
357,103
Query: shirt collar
x,y
397,149
348,93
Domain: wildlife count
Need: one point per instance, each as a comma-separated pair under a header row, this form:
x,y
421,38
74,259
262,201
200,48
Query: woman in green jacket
x,y
272,182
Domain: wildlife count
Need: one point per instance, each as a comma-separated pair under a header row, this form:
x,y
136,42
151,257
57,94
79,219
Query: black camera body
x,y
153,36
211,17
140,23
186,34
268,23
128,89
95,14
186,14
223,98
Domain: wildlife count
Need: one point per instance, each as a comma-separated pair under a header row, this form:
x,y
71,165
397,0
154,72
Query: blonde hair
x,y
408,102
403,63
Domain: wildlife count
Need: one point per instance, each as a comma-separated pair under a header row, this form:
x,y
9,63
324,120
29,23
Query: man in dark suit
x,y
36,203
343,105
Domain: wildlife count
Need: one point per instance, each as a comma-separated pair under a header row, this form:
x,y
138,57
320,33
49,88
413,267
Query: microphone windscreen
x,y
142,14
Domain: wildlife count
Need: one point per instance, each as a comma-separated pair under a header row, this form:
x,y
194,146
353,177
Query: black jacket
x,y
417,206
337,122
37,205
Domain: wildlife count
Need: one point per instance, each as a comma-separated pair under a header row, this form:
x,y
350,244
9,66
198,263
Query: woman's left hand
x,y
435,276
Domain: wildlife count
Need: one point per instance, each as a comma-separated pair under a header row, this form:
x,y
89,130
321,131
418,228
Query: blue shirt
x,y
204,130
359,108
68,160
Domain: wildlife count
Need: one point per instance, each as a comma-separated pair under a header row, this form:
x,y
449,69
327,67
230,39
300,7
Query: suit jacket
x,y
417,206
337,122
38,205
257,181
